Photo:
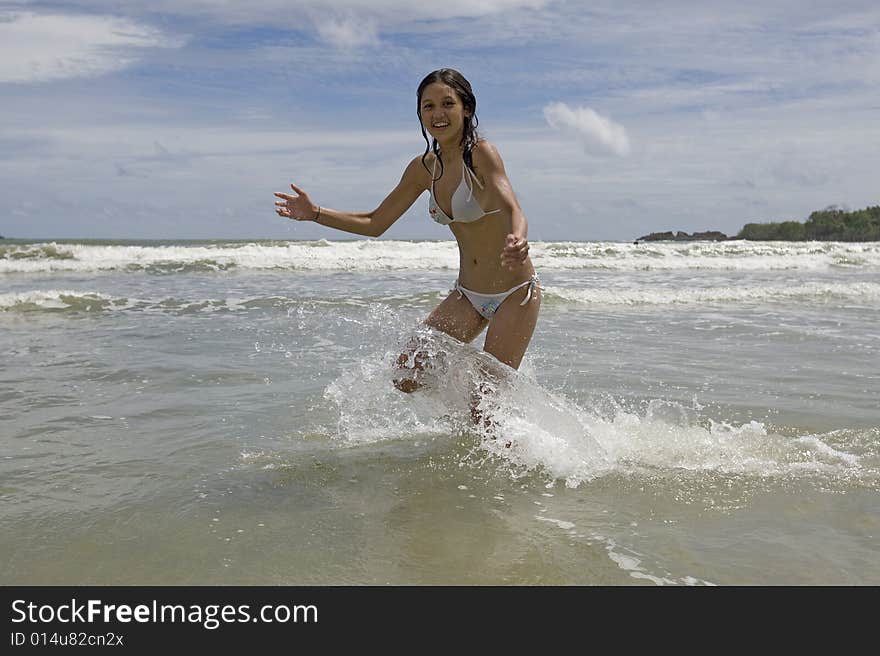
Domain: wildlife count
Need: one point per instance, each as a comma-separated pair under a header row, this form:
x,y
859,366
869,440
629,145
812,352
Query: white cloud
x,y
348,32
286,12
599,135
43,47
345,24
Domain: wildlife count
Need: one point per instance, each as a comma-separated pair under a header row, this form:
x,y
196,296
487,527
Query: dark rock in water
x,y
658,236
710,235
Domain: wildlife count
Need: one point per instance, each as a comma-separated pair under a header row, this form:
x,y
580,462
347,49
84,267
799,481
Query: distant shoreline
x,y
711,235
830,224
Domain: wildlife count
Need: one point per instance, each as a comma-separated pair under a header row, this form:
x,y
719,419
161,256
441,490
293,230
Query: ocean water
x,y
222,413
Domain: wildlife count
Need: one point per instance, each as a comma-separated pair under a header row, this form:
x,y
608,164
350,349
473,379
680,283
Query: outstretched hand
x,y
299,207
515,252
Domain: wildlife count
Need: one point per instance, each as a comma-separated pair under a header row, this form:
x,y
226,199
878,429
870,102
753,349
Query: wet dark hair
x,y
462,88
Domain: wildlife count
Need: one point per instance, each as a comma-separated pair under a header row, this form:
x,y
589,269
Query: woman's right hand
x,y
299,207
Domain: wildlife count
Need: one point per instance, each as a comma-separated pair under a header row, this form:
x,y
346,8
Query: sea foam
x,y
391,255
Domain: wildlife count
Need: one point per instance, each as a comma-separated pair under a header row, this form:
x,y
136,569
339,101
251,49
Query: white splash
x,y
525,429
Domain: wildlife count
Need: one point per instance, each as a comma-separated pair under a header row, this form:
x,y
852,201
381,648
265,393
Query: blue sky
x,y
179,118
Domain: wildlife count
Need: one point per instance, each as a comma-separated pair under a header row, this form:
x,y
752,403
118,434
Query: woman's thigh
x,y
512,327
456,316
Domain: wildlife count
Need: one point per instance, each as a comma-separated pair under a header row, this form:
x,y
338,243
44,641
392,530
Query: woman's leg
x,y
512,326
456,317
508,337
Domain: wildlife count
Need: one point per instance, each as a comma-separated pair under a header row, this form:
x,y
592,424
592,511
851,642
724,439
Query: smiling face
x,y
442,113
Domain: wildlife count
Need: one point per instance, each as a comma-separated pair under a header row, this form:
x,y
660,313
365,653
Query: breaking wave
x,y
381,255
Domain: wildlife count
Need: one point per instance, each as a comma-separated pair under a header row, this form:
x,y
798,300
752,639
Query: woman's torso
x,y
480,241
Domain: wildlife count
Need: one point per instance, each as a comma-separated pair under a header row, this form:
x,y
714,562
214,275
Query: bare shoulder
x,y
486,156
489,169
418,171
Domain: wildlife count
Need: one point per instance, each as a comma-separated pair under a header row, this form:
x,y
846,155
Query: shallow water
x,y
221,412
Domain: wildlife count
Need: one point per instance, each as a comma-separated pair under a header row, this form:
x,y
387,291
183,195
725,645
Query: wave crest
x,y
390,255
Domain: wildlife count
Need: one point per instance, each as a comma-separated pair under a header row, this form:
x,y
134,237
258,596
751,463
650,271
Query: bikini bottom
x,y
487,304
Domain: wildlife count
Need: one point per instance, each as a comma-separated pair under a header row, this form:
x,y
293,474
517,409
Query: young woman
x,y
469,191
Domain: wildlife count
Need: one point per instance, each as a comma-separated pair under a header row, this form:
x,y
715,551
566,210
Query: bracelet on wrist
x,y
318,215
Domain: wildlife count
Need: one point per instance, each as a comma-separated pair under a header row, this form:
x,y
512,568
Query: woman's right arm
x,y
371,224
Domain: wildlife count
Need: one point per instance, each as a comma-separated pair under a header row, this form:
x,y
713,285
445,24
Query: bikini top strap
x,y
465,167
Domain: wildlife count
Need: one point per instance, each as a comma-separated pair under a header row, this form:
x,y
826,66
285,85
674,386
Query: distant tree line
x,y
830,224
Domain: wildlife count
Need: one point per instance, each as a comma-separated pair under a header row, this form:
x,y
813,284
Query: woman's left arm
x,y
499,194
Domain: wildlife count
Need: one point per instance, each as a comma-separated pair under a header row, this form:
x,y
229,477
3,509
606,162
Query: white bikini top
x,y
465,207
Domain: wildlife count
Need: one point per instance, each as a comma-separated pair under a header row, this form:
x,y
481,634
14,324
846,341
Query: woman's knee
x,y
423,356
408,366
